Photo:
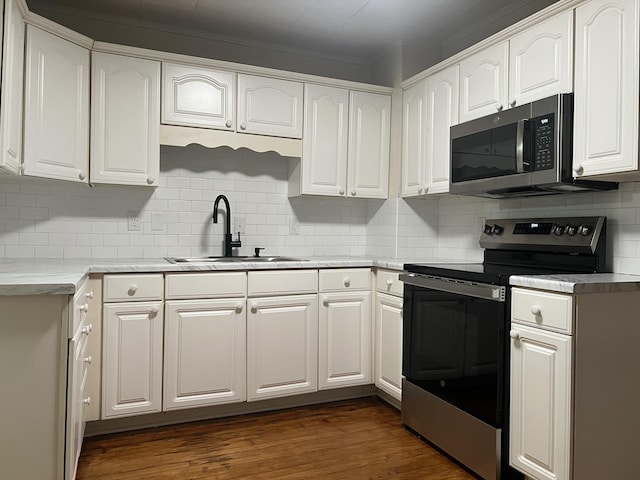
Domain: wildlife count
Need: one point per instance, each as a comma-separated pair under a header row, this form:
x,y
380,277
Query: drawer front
x,y
387,282
282,282
344,279
206,285
127,288
546,310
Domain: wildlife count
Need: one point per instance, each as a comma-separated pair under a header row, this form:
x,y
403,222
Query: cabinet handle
x,y
239,307
243,126
353,193
87,360
87,401
512,103
389,283
133,288
154,311
499,106
89,295
254,308
579,170
84,308
87,330
347,281
229,123
151,179
341,191
514,334
536,310
82,175
325,302
420,189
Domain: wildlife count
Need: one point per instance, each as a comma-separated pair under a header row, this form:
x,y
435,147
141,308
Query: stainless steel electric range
x,y
456,319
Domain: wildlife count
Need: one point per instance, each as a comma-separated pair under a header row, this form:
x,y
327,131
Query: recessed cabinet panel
x,y
11,95
388,358
269,106
198,97
414,136
56,137
125,143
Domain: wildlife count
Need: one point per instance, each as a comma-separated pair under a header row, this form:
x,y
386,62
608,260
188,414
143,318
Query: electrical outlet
x,y
294,226
239,225
133,222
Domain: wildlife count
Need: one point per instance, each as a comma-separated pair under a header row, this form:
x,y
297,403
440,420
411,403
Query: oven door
x,y
454,343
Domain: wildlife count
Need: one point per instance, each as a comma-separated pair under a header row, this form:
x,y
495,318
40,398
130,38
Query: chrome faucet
x,y
229,242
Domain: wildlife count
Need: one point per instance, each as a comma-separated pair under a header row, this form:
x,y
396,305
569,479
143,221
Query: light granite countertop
x,y
63,277
579,283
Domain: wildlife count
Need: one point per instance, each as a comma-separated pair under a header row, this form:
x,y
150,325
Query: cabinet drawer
x,y
387,282
344,279
282,282
542,309
80,309
126,288
206,285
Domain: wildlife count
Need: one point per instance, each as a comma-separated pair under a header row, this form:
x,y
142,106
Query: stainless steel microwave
x,y
523,151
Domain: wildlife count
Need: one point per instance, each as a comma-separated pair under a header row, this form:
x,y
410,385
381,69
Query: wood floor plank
x,y
354,439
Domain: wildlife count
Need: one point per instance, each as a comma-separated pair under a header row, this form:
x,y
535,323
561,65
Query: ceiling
x,y
355,29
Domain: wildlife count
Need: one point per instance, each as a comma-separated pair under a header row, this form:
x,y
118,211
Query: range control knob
x,y
558,230
572,230
586,230
488,229
498,230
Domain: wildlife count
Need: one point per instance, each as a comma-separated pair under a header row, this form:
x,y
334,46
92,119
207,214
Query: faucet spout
x,y
229,243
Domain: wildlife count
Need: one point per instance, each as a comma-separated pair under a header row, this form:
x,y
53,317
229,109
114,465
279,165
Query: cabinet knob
x,y
536,310
87,330
514,334
133,288
347,281
239,307
389,283
82,175
578,170
87,401
353,193
229,123
420,189
84,308
88,360
512,103
499,107
151,179
89,295
341,191
154,311
254,308
325,302
243,126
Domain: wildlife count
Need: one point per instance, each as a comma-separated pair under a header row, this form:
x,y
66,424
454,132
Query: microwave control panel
x,y
543,142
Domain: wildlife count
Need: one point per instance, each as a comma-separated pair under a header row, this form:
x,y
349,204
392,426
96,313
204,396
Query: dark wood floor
x,y
355,439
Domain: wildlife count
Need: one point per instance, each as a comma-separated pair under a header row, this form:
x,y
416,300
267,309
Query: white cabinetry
x,y
565,372
282,333
132,345
344,331
125,120
205,339
269,106
606,88
388,333
11,95
198,97
414,143
56,117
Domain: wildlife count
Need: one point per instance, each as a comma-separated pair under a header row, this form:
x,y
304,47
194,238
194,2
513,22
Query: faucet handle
x,y
236,243
257,251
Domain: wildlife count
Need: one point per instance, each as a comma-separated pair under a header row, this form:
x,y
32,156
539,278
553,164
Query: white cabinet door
x,y
11,95
484,79
388,348
414,136
205,353
324,146
132,358
368,152
540,413
282,346
198,97
56,136
541,60
269,106
344,341
606,87
125,115
442,112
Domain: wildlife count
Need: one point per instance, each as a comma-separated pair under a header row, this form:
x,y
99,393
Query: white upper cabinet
x,y
56,135
606,87
368,151
541,60
125,98
414,134
198,97
324,148
12,89
484,79
269,106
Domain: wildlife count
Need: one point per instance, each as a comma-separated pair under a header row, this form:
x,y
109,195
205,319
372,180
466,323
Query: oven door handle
x,y
485,291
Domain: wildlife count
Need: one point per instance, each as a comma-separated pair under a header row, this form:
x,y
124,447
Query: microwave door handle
x,y
520,146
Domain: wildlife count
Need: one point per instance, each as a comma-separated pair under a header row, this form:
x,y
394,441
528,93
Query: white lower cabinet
x,y
388,346
204,354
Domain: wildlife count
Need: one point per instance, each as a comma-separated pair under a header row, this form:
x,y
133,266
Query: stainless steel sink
x,y
231,259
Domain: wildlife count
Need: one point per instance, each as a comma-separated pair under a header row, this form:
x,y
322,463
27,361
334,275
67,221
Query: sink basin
x,y
232,259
